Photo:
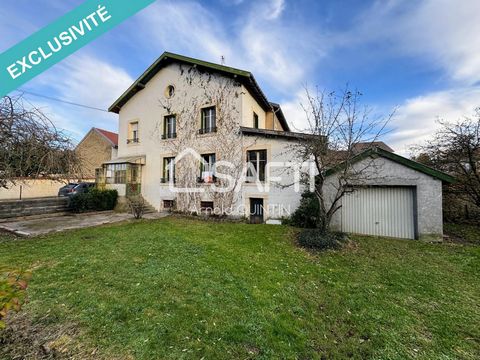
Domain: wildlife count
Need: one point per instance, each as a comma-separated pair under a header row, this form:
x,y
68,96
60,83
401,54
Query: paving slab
x,y
39,226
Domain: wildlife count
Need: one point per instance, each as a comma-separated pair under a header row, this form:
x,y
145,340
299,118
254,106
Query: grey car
x,y
67,189
75,189
81,188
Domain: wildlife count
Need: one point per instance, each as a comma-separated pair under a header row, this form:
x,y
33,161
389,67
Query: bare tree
x,y
455,149
198,89
31,146
336,123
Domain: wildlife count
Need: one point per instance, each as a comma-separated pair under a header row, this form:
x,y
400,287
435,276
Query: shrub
x,y
94,200
137,206
306,215
318,240
13,288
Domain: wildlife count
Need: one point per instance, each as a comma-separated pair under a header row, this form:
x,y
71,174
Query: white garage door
x,y
381,211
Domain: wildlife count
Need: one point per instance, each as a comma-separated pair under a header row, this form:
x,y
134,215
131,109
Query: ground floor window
x,y
207,168
168,169
116,174
257,161
206,207
168,204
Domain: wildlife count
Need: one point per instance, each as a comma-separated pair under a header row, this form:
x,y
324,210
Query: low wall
x,y
32,189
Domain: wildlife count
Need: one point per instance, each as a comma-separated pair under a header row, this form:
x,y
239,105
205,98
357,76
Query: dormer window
x,y
133,133
209,121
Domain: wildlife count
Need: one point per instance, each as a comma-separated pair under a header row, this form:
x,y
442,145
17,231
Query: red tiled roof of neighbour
x,y
113,137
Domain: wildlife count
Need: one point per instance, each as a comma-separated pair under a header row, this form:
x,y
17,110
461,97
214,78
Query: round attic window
x,y
169,91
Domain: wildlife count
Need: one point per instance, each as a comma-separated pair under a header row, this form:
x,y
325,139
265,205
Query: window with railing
x,y
168,170
169,127
257,161
207,169
133,133
209,121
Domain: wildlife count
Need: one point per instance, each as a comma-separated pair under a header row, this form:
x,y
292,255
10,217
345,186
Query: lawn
x,y
176,288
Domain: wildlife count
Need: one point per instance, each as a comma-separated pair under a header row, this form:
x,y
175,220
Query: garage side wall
x,y
384,172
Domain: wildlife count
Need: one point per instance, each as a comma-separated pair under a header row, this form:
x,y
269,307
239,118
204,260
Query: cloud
x,y
83,79
257,40
442,32
275,9
415,120
186,27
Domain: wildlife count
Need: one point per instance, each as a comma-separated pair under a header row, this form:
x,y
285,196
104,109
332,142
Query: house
x,y
187,126
96,147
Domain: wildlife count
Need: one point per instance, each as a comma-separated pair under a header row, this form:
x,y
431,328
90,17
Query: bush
x,y
306,215
13,288
137,206
94,200
318,240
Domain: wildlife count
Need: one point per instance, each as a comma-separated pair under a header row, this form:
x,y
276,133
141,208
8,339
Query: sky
x,y
420,58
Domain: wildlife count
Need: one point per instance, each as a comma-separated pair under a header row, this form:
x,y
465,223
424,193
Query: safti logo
x,y
60,39
278,173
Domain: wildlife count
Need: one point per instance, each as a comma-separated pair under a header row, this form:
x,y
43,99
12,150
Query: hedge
x,y
94,200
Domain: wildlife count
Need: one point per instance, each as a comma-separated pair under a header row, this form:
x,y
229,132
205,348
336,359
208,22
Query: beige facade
x,y
147,110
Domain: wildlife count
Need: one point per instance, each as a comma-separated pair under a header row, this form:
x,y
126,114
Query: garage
x,y
388,195
380,211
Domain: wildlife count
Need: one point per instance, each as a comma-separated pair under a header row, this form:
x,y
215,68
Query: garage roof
x,y
398,159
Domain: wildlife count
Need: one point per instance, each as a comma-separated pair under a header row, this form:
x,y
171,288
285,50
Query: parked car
x,y
75,188
65,190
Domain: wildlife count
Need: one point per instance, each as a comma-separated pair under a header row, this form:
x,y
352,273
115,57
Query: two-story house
x,y
202,137
181,120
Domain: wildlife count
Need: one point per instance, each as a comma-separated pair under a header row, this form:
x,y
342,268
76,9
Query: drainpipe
x,y
21,188
274,114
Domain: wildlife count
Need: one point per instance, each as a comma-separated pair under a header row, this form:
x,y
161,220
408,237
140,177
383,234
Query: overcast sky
x,y
422,57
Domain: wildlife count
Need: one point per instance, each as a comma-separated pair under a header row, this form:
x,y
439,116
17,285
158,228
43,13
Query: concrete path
x,y
45,225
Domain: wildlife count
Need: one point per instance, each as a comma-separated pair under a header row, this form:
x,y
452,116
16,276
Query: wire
x,y
62,101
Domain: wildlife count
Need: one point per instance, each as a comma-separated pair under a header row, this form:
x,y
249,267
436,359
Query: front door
x,y
256,211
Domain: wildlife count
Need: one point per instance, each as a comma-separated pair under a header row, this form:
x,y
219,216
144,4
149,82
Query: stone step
x,y
32,211
28,207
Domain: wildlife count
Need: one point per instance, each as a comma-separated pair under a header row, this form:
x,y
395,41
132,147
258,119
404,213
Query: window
x,y
257,160
207,168
168,204
132,132
116,174
206,206
169,91
169,127
255,120
168,169
209,123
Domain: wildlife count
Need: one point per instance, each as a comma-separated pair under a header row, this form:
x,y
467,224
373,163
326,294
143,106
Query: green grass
x,y
463,233
177,288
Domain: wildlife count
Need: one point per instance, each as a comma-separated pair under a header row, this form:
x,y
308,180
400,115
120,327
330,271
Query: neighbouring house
x,y
96,147
183,119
